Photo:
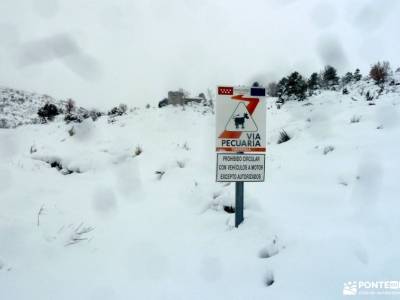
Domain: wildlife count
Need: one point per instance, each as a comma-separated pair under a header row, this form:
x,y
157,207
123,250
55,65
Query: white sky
x,y
103,52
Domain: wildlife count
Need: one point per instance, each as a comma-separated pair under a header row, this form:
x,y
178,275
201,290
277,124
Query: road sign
x,y
241,113
236,167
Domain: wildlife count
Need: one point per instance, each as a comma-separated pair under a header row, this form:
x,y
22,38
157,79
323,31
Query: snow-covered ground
x,y
152,226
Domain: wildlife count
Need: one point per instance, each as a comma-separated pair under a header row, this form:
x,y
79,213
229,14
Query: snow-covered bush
x,y
70,106
95,114
123,108
163,103
48,112
76,118
118,110
4,123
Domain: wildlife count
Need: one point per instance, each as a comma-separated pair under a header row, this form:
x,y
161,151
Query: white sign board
x,y
241,121
240,167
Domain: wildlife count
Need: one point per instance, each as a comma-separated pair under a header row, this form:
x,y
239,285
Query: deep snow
x,y
114,229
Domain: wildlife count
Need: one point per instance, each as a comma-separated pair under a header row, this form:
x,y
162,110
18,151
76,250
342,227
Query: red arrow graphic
x,y
251,106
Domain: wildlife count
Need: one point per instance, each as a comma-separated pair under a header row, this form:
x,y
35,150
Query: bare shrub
x,y
94,114
71,131
283,137
272,89
33,149
380,71
160,174
40,212
181,164
355,119
186,146
70,106
269,279
79,234
123,108
328,149
229,209
138,150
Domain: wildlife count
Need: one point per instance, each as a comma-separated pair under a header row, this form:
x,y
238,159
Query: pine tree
x,y
347,78
297,87
357,75
281,89
329,77
314,82
293,87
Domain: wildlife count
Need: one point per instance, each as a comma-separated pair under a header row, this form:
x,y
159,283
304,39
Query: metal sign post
x,y
240,128
239,203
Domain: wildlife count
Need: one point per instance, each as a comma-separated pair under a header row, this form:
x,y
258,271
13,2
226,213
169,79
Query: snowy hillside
x,y
130,209
18,107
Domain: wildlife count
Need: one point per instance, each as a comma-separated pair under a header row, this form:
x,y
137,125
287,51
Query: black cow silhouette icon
x,y
239,121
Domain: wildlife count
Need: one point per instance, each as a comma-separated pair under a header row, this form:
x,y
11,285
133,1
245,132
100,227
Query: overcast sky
x,y
103,52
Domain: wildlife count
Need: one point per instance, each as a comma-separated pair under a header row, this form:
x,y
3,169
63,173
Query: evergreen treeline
x,y
296,87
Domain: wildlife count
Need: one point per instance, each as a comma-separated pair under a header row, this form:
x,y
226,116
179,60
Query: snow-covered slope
x,y
19,107
151,225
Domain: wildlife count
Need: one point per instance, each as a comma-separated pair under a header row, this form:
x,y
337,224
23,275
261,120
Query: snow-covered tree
x,y
314,83
293,87
329,77
347,78
357,75
272,89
